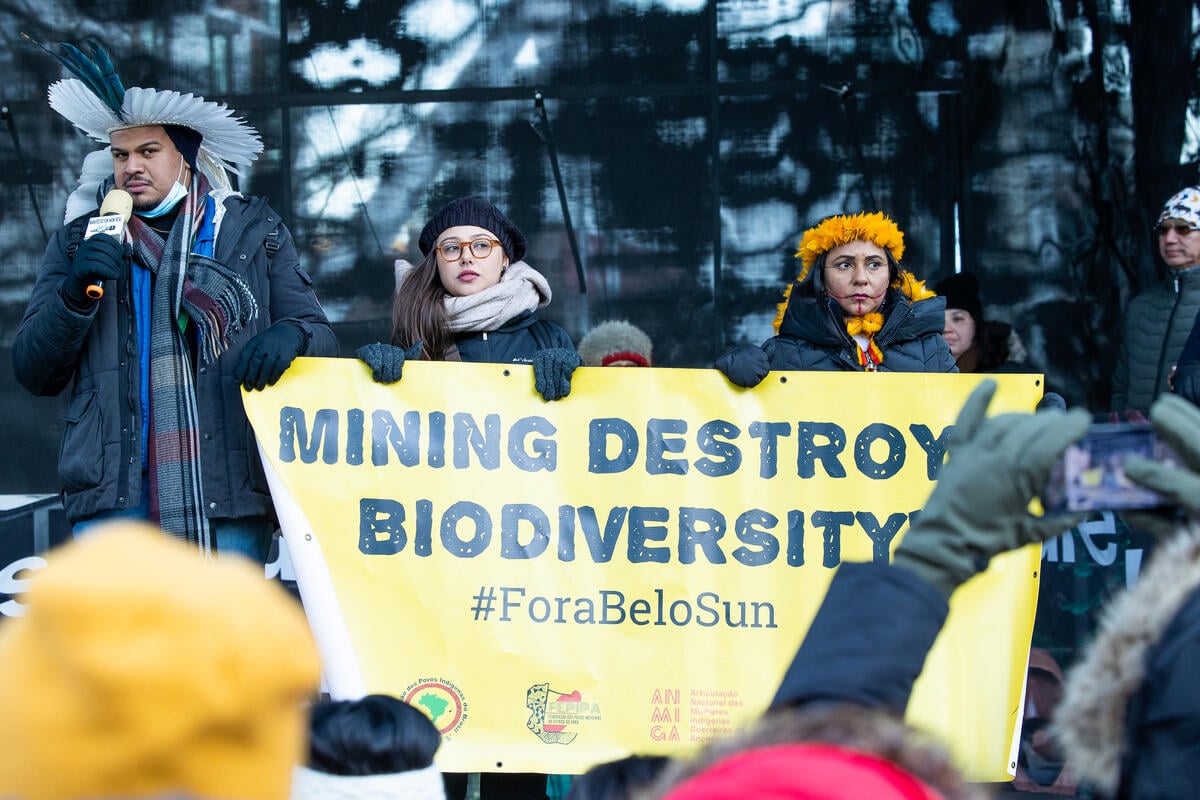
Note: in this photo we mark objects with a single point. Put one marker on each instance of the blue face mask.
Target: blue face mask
(176, 193)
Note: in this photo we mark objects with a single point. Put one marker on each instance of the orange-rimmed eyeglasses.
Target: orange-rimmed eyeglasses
(480, 248)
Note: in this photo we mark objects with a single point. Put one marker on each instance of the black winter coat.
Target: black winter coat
(854, 654)
(1187, 379)
(513, 342)
(1129, 722)
(96, 354)
(812, 336)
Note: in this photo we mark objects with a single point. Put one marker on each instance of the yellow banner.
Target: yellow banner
(628, 570)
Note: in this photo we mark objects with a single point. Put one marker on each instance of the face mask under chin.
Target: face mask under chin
(176, 193)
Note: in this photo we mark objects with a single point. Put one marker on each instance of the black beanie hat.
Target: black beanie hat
(186, 141)
(479, 212)
(962, 291)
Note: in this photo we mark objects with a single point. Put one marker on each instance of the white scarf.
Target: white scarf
(417, 784)
(521, 288)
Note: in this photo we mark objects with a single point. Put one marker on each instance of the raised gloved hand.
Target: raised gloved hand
(100, 258)
(978, 508)
(745, 365)
(552, 371)
(266, 356)
(386, 361)
(1177, 422)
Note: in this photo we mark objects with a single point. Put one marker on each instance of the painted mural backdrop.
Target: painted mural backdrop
(1028, 140)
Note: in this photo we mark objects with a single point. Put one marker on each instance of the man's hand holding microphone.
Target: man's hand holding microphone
(101, 254)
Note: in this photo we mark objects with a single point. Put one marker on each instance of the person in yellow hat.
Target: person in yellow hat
(851, 308)
(139, 670)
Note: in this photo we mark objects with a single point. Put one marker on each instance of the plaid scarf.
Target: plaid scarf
(219, 304)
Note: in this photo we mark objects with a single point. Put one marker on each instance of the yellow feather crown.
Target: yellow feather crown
(843, 229)
(832, 232)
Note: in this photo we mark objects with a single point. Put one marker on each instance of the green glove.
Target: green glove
(979, 507)
(1177, 422)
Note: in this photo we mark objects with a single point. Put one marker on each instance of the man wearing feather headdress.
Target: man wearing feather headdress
(155, 333)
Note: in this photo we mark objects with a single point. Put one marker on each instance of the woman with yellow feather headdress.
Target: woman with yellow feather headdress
(850, 308)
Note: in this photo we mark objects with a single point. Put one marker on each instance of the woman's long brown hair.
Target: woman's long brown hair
(419, 311)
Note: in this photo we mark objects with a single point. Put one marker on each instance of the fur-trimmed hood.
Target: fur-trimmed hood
(1092, 723)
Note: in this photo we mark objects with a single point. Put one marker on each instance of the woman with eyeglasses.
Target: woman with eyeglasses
(851, 308)
(472, 298)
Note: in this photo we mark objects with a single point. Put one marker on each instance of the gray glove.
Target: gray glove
(745, 365)
(978, 507)
(386, 361)
(552, 371)
(1177, 422)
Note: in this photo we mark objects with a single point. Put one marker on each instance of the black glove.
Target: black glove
(552, 370)
(978, 507)
(100, 258)
(267, 355)
(386, 361)
(1052, 401)
(745, 366)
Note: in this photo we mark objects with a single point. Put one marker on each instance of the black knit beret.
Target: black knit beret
(480, 213)
(962, 291)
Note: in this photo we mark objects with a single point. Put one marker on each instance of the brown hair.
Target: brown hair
(843, 725)
(419, 311)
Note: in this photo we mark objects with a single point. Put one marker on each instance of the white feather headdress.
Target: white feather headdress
(98, 103)
(226, 141)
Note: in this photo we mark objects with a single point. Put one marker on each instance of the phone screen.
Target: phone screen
(1091, 474)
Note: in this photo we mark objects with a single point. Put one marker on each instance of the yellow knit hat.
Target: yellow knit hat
(141, 670)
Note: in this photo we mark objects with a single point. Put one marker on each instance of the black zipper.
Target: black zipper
(1177, 282)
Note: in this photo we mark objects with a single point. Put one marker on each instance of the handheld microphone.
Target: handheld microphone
(115, 212)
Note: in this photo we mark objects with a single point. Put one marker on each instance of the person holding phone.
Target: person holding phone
(1129, 720)
(851, 308)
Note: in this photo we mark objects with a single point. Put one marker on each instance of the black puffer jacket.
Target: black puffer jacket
(96, 354)
(999, 349)
(812, 336)
(513, 342)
